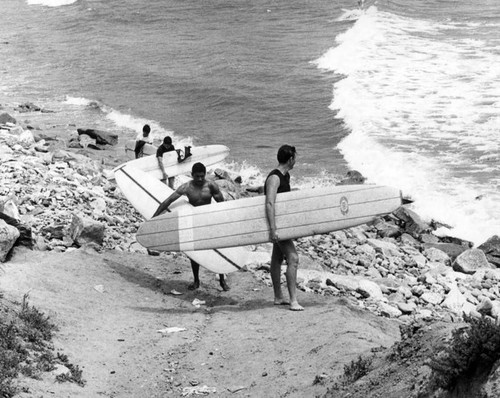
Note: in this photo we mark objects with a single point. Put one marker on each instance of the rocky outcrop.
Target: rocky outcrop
(492, 250)
(101, 137)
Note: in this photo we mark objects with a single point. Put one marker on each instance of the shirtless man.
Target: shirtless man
(199, 192)
(278, 181)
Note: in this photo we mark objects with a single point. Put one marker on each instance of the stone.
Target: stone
(453, 250)
(437, 255)
(101, 137)
(8, 237)
(388, 310)
(369, 289)
(84, 230)
(406, 308)
(432, 298)
(387, 248)
(6, 118)
(491, 249)
(414, 225)
(454, 300)
(470, 261)
(485, 307)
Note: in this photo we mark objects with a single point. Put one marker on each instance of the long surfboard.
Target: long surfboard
(147, 149)
(243, 222)
(146, 193)
(207, 154)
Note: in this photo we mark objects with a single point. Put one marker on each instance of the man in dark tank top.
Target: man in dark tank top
(278, 181)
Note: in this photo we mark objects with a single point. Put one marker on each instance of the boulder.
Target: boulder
(413, 224)
(453, 250)
(492, 250)
(84, 230)
(352, 177)
(101, 137)
(8, 236)
(470, 261)
(6, 118)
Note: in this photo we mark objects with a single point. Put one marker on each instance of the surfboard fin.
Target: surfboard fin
(187, 153)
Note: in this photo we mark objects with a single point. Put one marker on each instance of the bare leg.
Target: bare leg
(171, 181)
(288, 249)
(196, 271)
(223, 283)
(276, 261)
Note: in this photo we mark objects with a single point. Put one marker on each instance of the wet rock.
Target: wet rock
(413, 223)
(491, 249)
(101, 137)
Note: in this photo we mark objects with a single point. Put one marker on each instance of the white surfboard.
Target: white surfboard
(207, 154)
(147, 149)
(146, 193)
(243, 222)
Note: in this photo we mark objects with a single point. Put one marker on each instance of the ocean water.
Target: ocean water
(404, 92)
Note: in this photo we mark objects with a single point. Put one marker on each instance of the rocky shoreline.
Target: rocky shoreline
(54, 198)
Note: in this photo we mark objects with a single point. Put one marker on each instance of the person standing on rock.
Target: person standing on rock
(199, 192)
(141, 141)
(278, 181)
(166, 146)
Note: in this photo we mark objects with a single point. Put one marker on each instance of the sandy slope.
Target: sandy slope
(110, 306)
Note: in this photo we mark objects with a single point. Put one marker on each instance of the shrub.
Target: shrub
(471, 353)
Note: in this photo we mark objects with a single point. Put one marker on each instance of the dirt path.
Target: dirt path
(109, 308)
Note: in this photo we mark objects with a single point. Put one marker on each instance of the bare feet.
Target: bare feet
(224, 286)
(296, 307)
(280, 301)
(194, 286)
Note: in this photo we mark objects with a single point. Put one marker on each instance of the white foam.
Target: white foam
(423, 106)
(51, 3)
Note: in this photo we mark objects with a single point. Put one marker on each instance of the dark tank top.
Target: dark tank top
(284, 181)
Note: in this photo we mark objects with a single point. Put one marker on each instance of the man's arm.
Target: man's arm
(216, 192)
(172, 198)
(272, 185)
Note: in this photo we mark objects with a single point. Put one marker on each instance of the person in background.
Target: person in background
(166, 146)
(199, 192)
(141, 141)
(278, 181)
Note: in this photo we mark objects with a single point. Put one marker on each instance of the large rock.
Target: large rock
(414, 225)
(492, 250)
(453, 250)
(470, 261)
(101, 137)
(6, 118)
(8, 236)
(84, 230)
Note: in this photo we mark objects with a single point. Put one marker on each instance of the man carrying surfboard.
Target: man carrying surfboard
(166, 146)
(199, 192)
(278, 181)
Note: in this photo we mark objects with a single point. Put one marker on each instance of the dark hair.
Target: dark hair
(146, 129)
(199, 168)
(167, 140)
(285, 153)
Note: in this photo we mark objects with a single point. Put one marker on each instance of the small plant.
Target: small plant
(471, 353)
(25, 347)
(357, 369)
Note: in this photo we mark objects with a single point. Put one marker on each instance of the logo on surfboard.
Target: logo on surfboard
(344, 205)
